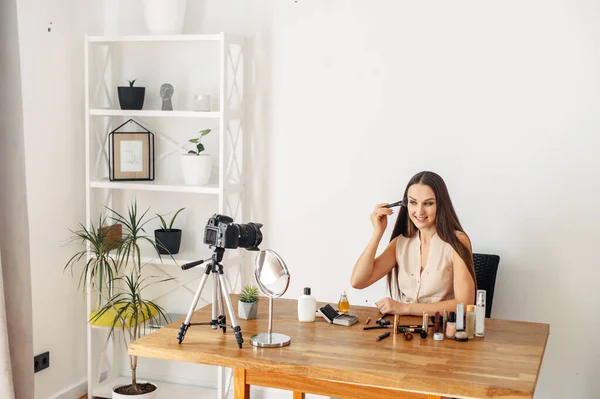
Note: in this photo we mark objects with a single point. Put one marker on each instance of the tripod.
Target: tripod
(219, 293)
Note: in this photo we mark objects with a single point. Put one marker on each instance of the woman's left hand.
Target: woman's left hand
(388, 305)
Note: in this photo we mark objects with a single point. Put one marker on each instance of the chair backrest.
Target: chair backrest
(486, 268)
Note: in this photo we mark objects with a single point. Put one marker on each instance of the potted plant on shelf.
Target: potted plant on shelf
(248, 303)
(131, 97)
(114, 272)
(167, 238)
(195, 165)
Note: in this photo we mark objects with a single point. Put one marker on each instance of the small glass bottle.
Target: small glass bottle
(470, 321)
(451, 326)
(480, 314)
(343, 304)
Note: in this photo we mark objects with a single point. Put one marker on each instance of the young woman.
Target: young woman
(429, 255)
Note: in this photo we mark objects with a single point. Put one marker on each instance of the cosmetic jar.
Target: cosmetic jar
(438, 336)
(461, 336)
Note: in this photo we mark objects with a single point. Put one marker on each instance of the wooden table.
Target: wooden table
(347, 362)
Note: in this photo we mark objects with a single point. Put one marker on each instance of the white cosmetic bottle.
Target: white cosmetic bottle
(307, 306)
(480, 314)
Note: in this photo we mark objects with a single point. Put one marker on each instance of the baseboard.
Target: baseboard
(73, 392)
(157, 377)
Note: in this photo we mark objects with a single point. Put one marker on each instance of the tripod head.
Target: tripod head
(217, 257)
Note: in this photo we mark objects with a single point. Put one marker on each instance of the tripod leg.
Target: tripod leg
(186, 324)
(214, 322)
(236, 328)
(222, 320)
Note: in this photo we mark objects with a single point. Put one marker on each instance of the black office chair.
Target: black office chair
(486, 268)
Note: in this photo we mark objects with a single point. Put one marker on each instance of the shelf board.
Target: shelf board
(154, 38)
(154, 113)
(165, 389)
(155, 186)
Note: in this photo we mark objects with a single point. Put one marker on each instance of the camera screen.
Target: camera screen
(211, 235)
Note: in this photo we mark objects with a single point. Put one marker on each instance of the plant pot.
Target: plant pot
(168, 241)
(131, 97)
(247, 311)
(196, 169)
(149, 395)
(164, 17)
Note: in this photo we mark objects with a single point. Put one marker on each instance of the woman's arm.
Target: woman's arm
(368, 269)
(464, 291)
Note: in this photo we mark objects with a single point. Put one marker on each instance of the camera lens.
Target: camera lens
(250, 236)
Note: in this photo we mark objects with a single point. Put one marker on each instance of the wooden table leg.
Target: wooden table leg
(298, 395)
(241, 390)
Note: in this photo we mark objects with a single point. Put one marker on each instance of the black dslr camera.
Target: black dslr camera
(221, 232)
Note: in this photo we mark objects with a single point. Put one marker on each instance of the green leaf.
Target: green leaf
(200, 147)
(204, 132)
(162, 222)
(173, 218)
(131, 82)
(194, 141)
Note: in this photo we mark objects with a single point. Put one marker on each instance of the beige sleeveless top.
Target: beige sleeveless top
(435, 283)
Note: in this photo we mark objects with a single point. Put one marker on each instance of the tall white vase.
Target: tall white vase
(196, 169)
(164, 17)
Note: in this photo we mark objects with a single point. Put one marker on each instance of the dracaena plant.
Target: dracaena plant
(198, 142)
(101, 266)
(132, 312)
(134, 234)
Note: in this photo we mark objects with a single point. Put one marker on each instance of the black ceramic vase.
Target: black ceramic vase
(168, 241)
(131, 97)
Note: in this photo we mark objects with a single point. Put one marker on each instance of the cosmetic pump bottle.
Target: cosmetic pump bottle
(480, 314)
(470, 321)
(451, 326)
(307, 306)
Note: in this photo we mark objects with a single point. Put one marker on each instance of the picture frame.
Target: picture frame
(131, 154)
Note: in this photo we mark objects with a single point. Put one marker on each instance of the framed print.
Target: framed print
(131, 154)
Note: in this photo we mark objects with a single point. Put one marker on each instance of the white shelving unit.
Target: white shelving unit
(102, 115)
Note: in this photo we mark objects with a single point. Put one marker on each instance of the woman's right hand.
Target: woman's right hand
(379, 218)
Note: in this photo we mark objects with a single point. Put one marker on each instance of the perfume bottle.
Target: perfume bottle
(343, 304)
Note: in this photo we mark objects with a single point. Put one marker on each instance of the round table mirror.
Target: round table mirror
(272, 277)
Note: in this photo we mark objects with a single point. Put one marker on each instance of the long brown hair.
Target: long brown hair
(446, 222)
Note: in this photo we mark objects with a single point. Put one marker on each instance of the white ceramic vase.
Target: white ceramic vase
(164, 17)
(150, 395)
(196, 169)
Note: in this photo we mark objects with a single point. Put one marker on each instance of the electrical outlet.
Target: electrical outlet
(41, 362)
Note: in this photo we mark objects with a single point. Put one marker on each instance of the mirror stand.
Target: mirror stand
(273, 278)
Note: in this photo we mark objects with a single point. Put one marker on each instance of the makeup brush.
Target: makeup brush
(403, 203)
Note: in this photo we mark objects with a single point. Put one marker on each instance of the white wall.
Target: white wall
(499, 98)
(52, 81)
(351, 99)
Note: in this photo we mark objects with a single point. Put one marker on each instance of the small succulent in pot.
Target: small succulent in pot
(248, 303)
(131, 97)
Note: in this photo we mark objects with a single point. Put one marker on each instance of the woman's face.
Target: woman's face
(422, 206)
